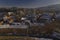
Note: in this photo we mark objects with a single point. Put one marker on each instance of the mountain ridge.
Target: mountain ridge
(55, 7)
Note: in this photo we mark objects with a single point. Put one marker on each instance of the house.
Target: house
(44, 18)
(31, 17)
(58, 16)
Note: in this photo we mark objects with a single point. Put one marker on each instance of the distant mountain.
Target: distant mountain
(50, 7)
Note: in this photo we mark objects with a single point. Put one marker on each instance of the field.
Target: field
(16, 38)
(21, 38)
(13, 38)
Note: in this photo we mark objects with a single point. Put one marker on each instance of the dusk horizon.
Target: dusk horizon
(27, 3)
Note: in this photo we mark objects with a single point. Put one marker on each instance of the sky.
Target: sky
(27, 3)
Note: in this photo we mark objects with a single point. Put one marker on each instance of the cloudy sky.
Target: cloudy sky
(27, 3)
